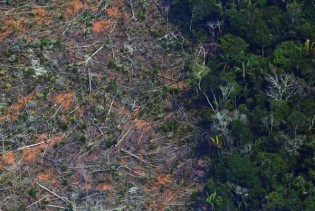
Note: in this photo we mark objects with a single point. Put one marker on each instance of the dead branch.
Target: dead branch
(137, 157)
(53, 116)
(110, 107)
(55, 206)
(36, 202)
(123, 137)
(55, 194)
(132, 10)
(90, 80)
(199, 87)
(168, 200)
(90, 57)
(34, 145)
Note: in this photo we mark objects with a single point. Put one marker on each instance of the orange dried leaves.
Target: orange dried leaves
(64, 99)
(100, 26)
(9, 158)
(74, 7)
(41, 15)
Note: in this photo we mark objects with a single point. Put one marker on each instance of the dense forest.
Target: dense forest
(256, 76)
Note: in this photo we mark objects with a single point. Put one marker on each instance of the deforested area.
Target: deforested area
(90, 111)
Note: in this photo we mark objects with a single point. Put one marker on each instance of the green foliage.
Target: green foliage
(288, 55)
(110, 142)
(221, 195)
(306, 29)
(203, 8)
(33, 193)
(309, 203)
(294, 13)
(44, 42)
(169, 126)
(275, 201)
(63, 126)
(241, 133)
(243, 108)
(82, 139)
(280, 109)
(241, 171)
(308, 107)
(296, 120)
(30, 72)
(252, 27)
(252, 167)
(273, 166)
(194, 15)
(214, 200)
(274, 17)
(233, 47)
(260, 33)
